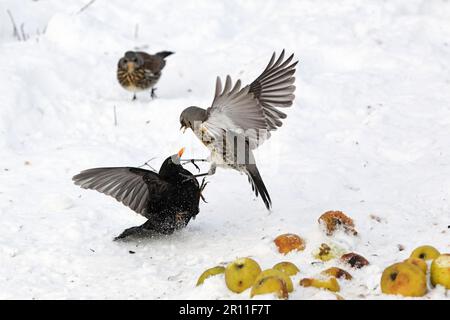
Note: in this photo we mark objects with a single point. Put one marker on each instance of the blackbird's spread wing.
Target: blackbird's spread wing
(134, 187)
(252, 110)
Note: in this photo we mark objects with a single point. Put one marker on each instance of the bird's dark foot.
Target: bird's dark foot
(187, 177)
(194, 176)
(139, 232)
(192, 161)
(202, 187)
(153, 94)
(134, 97)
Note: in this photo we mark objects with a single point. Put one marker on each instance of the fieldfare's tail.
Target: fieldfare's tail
(164, 54)
(258, 185)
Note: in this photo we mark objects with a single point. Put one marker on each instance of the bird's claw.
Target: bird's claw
(195, 165)
(153, 94)
(187, 177)
(202, 187)
(192, 161)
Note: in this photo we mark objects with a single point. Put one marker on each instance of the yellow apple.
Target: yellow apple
(418, 263)
(209, 273)
(337, 273)
(330, 284)
(404, 279)
(287, 267)
(279, 274)
(270, 284)
(288, 242)
(241, 274)
(440, 271)
(328, 252)
(425, 253)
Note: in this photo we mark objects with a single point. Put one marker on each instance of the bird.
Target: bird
(241, 119)
(167, 199)
(139, 71)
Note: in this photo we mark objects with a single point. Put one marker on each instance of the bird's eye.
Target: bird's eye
(135, 60)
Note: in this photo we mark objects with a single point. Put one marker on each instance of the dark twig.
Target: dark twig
(15, 30)
(148, 165)
(115, 116)
(87, 5)
(22, 31)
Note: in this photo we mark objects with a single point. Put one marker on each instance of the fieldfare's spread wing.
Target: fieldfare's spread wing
(134, 187)
(274, 89)
(252, 110)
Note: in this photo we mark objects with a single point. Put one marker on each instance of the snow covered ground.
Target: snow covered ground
(369, 134)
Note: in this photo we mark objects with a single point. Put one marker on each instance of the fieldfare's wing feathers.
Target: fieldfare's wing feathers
(252, 109)
(274, 89)
(134, 187)
(152, 62)
(234, 109)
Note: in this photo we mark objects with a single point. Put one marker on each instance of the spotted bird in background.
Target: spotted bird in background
(138, 71)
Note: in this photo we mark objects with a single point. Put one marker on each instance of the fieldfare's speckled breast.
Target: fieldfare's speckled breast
(138, 71)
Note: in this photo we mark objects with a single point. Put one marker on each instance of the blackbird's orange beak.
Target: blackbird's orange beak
(180, 153)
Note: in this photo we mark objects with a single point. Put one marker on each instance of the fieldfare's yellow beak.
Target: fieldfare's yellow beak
(183, 127)
(180, 153)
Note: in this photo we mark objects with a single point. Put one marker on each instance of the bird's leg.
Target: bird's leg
(194, 160)
(186, 161)
(134, 97)
(153, 94)
(202, 187)
(211, 171)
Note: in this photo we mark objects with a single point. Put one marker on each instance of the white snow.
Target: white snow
(369, 135)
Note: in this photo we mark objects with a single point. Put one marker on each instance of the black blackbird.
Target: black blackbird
(138, 71)
(167, 199)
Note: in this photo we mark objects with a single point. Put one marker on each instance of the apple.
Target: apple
(333, 220)
(418, 263)
(337, 273)
(288, 242)
(330, 284)
(241, 274)
(354, 260)
(425, 253)
(277, 273)
(270, 284)
(209, 273)
(328, 252)
(404, 279)
(287, 267)
(440, 271)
